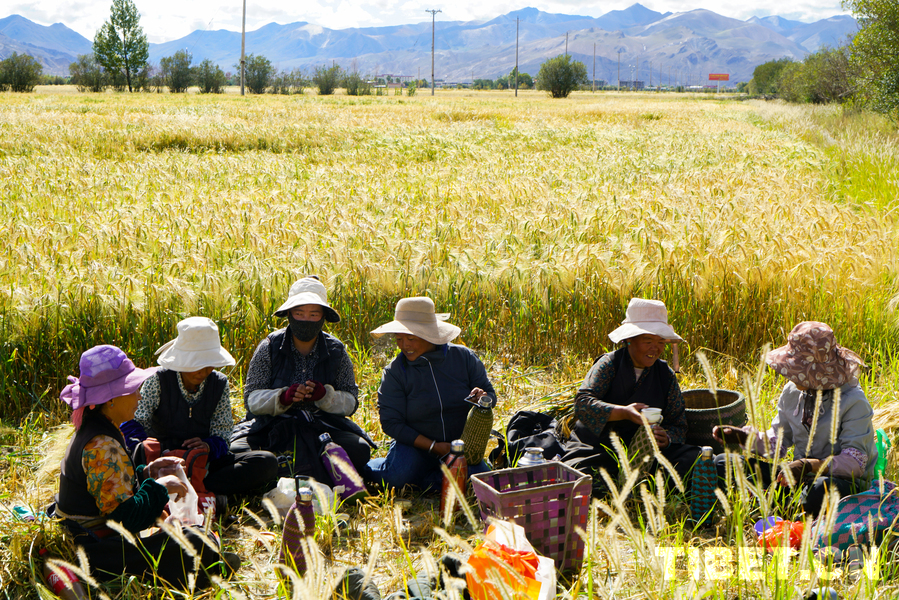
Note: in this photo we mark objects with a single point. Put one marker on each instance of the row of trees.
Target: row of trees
(865, 72)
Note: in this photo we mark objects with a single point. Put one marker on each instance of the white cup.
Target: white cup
(653, 415)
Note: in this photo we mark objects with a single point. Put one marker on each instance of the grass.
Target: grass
(531, 221)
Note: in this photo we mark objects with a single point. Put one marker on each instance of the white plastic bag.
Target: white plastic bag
(284, 494)
(512, 537)
(185, 510)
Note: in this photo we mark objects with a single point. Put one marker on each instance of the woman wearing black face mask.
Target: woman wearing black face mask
(299, 385)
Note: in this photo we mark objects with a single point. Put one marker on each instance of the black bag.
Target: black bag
(528, 429)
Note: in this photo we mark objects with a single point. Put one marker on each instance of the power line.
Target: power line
(433, 25)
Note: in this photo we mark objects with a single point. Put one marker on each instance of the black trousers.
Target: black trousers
(250, 472)
(812, 491)
(113, 556)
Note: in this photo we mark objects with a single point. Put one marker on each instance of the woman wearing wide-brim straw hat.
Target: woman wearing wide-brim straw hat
(186, 405)
(422, 396)
(822, 385)
(623, 383)
(300, 384)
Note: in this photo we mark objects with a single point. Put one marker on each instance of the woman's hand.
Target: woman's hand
(441, 449)
(476, 394)
(164, 465)
(173, 484)
(661, 436)
(729, 435)
(631, 412)
(195, 444)
(798, 469)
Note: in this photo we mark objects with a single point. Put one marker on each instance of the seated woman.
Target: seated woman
(98, 483)
(620, 385)
(187, 405)
(822, 376)
(300, 384)
(421, 400)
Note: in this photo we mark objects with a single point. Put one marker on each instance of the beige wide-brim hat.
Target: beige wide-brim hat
(416, 316)
(197, 346)
(813, 359)
(645, 317)
(308, 290)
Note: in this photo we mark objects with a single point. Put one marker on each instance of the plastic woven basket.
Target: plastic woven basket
(548, 500)
(705, 410)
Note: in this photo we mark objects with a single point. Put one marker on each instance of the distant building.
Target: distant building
(632, 85)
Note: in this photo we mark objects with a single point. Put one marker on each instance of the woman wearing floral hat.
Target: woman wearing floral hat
(620, 385)
(421, 400)
(822, 402)
(98, 483)
(300, 384)
(186, 405)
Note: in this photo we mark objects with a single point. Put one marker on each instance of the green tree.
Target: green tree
(20, 73)
(210, 77)
(823, 77)
(258, 73)
(766, 76)
(560, 76)
(120, 45)
(875, 50)
(356, 85)
(411, 88)
(327, 79)
(176, 71)
(292, 82)
(87, 74)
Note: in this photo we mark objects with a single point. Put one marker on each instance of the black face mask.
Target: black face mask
(305, 331)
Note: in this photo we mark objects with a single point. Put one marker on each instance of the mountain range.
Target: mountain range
(632, 44)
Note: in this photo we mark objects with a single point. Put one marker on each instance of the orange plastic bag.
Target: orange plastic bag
(494, 562)
(781, 534)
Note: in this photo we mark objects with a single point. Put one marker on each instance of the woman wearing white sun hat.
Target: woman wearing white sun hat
(300, 384)
(421, 400)
(187, 405)
(624, 382)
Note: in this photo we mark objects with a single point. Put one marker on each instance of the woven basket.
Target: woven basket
(549, 500)
(705, 410)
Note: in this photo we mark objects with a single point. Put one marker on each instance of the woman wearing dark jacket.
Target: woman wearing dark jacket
(421, 400)
(300, 384)
(620, 385)
(98, 483)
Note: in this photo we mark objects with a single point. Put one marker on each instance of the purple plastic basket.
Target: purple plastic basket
(548, 500)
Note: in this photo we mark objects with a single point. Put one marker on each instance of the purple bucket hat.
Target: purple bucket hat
(106, 373)
(813, 359)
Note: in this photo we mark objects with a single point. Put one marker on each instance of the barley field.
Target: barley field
(531, 221)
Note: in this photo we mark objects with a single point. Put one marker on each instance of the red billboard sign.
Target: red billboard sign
(719, 77)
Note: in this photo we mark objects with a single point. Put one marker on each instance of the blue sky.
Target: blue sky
(165, 20)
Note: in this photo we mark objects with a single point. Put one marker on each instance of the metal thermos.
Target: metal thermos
(532, 456)
(299, 524)
(476, 433)
(458, 472)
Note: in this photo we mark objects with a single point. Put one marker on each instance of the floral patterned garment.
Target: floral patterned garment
(110, 474)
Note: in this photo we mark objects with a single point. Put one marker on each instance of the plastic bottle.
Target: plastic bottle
(883, 447)
(703, 484)
(476, 433)
(458, 472)
(68, 586)
(341, 470)
(299, 524)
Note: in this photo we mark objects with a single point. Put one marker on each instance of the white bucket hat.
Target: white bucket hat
(197, 346)
(645, 316)
(308, 290)
(416, 316)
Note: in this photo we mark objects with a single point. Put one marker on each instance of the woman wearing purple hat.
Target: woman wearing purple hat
(98, 484)
(822, 413)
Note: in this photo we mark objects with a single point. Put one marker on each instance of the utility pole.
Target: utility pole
(243, 40)
(594, 67)
(619, 70)
(650, 74)
(433, 17)
(566, 43)
(516, 57)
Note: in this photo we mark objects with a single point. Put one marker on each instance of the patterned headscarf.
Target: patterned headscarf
(812, 358)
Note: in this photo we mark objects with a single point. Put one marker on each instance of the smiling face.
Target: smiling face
(645, 349)
(412, 346)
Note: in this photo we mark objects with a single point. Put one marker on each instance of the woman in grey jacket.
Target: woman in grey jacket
(823, 401)
(422, 397)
